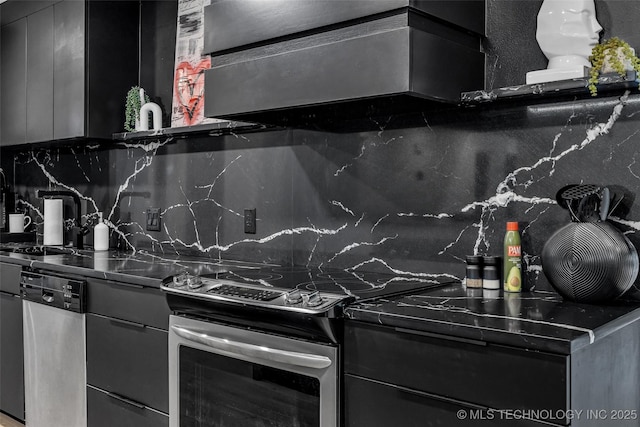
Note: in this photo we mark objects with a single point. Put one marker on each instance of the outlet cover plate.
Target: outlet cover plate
(153, 219)
(250, 221)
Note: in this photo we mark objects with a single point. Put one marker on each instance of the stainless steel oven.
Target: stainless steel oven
(254, 347)
(236, 377)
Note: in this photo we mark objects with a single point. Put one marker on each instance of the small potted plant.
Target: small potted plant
(613, 55)
(132, 108)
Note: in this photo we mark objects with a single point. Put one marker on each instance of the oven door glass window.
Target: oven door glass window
(222, 391)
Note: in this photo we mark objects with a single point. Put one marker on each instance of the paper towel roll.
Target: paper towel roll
(53, 222)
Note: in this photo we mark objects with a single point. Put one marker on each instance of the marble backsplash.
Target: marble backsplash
(413, 194)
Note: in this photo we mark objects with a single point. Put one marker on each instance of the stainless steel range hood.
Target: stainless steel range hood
(302, 62)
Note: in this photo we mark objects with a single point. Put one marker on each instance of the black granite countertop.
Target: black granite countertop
(532, 320)
(142, 268)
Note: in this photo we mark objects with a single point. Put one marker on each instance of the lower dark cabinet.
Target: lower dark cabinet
(127, 355)
(11, 356)
(128, 359)
(490, 376)
(105, 410)
(395, 376)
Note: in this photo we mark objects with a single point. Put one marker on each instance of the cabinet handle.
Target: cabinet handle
(9, 294)
(424, 394)
(127, 323)
(254, 353)
(439, 398)
(442, 337)
(126, 400)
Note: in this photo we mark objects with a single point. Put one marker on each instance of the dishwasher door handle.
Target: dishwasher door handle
(253, 351)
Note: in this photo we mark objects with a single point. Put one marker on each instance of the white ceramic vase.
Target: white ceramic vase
(146, 109)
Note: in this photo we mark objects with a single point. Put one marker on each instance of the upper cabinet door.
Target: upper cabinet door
(69, 69)
(40, 75)
(66, 68)
(13, 48)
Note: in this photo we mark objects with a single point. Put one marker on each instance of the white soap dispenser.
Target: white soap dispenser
(100, 235)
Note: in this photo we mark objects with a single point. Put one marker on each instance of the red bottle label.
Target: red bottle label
(513, 250)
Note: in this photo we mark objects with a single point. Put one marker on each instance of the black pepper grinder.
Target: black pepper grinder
(474, 271)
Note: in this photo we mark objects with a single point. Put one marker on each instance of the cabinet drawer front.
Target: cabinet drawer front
(372, 404)
(129, 360)
(488, 375)
(147, 306)
(107, 411)
(10, 278)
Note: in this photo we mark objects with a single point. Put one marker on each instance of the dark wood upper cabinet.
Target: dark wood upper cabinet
(66, 68)
(13, 44)
(69, 72)
(39, 91)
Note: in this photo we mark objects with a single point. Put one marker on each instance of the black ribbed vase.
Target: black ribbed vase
(590, 262)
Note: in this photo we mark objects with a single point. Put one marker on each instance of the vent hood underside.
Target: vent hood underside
(396, 62)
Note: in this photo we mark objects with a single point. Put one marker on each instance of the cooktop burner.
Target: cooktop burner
(293, 289)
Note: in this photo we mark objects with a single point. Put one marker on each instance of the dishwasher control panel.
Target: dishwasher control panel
(59, 292)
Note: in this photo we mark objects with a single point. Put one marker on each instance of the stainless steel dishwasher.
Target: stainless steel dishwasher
(54, 350)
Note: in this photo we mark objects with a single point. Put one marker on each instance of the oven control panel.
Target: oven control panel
(216, 289)
(243, 292)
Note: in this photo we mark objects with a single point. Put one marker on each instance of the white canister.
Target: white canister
(100, 235)
(53, 222)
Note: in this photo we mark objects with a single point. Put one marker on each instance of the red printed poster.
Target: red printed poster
(188, 81)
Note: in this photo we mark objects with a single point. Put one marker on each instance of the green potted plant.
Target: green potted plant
(132, 107)
(613, 55)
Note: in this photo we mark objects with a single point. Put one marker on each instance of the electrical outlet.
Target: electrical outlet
(250, 221)
(153, 219)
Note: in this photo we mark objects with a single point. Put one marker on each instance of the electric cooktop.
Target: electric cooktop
(296, 289)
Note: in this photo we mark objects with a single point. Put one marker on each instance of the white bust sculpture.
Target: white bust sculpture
(567, 32)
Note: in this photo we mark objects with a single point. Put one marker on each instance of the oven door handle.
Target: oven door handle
(254, 351)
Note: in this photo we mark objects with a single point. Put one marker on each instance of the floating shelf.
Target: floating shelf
(542, 91)
(210, 129)
(608, 85)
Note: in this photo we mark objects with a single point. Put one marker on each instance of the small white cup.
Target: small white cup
(18, 222)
